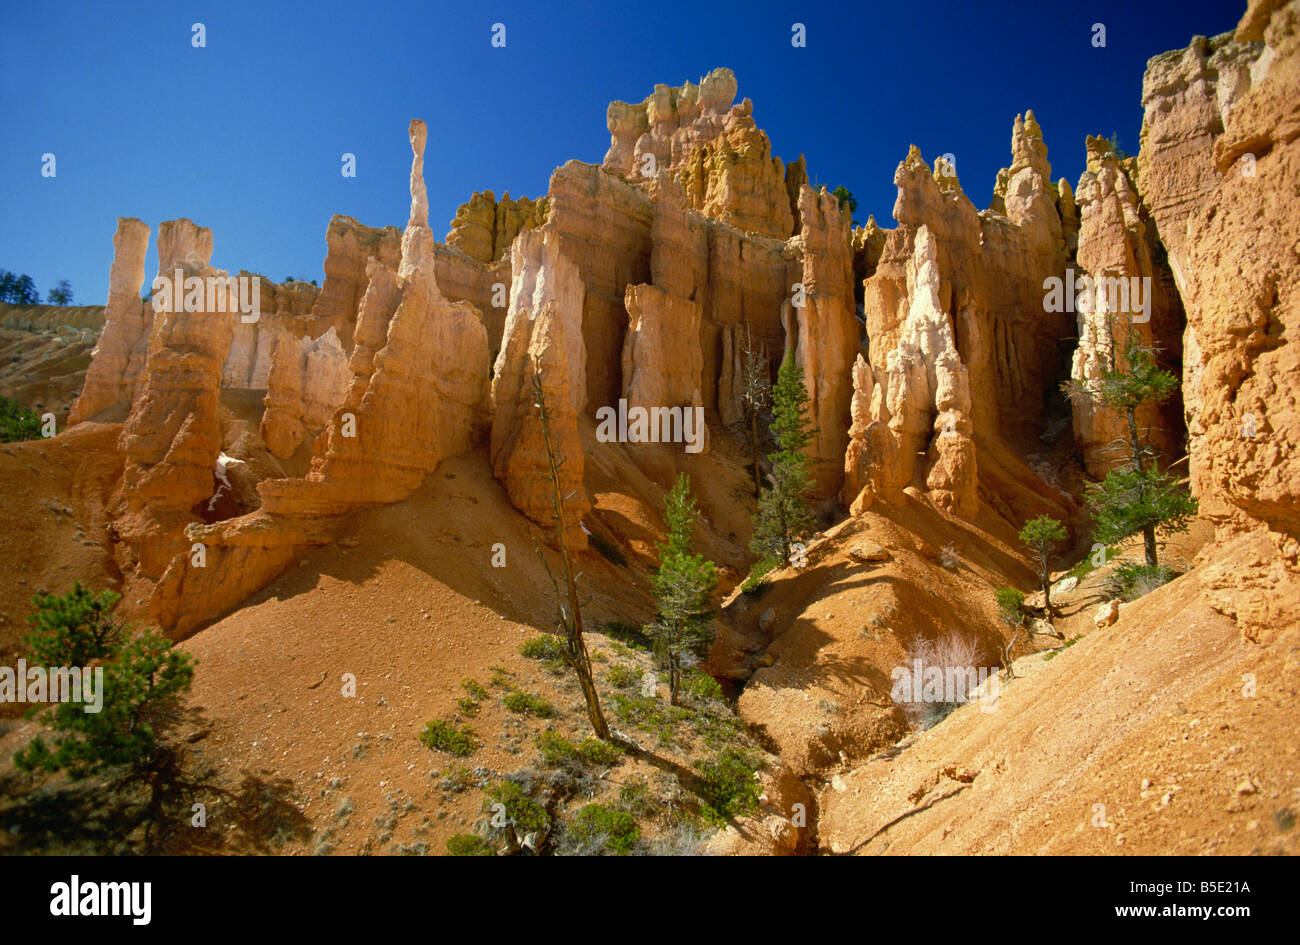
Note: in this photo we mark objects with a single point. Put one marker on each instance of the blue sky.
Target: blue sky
(246, 135)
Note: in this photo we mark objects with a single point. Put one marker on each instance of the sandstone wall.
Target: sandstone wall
(118, 359)
(484, 227)
(1241, 275)
(543, 329)
(1115, 240)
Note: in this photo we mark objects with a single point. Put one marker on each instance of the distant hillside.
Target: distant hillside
(44, 317)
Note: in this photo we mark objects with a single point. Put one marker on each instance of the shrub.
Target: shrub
(546, 647)
(1130, 580)
(599, 754)
(728, 785)
(635, 797)
(623, 677)
(702, 686)
(467, 707)
(649, 714)
(757, 578)
(1011, 605)
(948, 558)
(597, 828)
(957, 658)
(557, 751)
(468, 844)
(457, 778)
(444, 736)
(522, 813)
(17, 422)
(608, 550)
(682, 838)
(140, 687)
(475, 689)
(526, 703)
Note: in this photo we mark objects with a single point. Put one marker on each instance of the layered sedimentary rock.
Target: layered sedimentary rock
(750, 279)
(602, 224)
(872, 467)
(349, 248)
(306, 381)
(1069, 211)
(172, 437)
(663, 364)
(484, 227)
(661, 354)
(714, 149)
(1131, 299)
(417, 393)
(912, 414)
(1187, 96)
(119, 356)
(822, 333)
(484, 285)
(543, 330)
(992, 272)
(867, 242)
(283, 308)
(668, 123)
(963, 347)
(1241, 289)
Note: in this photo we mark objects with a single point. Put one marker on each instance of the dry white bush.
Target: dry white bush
(959, 659)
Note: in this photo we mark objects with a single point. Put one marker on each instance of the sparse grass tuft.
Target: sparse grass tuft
(599, 754)
(545, 647)
(527, 703)
(1064, 646)
(599, 829)
(728, 785)
(623, 677)
(635, 797)
(1131, 580)
(702, 686)
(457, 778)
(444, 736)
(521, 812)
(468, 844)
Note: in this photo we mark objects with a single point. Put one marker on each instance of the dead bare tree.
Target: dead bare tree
(755, 395)
(575, 650)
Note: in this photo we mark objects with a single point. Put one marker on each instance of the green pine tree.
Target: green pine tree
(784, 510)
(682, 587)
(1141, 498)
(1042, 535)
(143, 678)
(73, 629)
